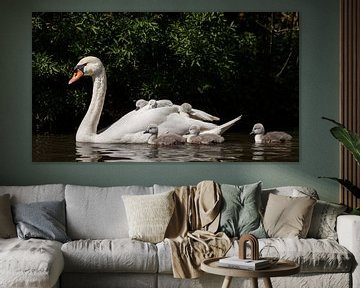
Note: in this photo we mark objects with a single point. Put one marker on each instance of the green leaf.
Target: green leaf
(355, 211)
(348, 138)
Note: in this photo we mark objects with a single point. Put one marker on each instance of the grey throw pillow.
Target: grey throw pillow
(44, 220)
(323, 223)
(240, 213)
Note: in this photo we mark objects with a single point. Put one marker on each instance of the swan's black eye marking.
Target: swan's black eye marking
(80, 67)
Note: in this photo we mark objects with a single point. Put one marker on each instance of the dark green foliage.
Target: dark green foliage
(351, 142)
(348, 138)
(224, 63)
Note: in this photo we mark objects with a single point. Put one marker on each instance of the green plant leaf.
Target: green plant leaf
(348, 138)
(355, 211)
(347, 184)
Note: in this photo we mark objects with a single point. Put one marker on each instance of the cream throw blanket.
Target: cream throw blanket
(191, 231)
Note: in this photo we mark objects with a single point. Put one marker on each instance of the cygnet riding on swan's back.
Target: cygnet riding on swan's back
(269, 137)
(165, 139)
(130, 127)
(159, 103)
(151, 104)
(206, 138)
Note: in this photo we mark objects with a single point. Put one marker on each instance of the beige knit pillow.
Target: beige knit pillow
(149, 215)
(7, 226)
(288, 217)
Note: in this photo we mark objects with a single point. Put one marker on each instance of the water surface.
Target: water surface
(236, 148)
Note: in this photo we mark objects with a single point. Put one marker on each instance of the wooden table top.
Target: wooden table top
(281, 268)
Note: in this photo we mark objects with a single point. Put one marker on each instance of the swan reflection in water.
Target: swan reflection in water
(236, 148)
(94, 152)
(232, 150)
(269, 151)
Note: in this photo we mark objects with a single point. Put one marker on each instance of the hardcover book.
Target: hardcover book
(249, 264)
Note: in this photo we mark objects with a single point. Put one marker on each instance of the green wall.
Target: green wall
(319, 74)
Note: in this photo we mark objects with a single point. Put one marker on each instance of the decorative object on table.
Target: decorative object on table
(269, 253)
(241, 261)
(254, 246)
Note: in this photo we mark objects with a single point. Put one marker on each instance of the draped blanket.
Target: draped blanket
(191, 232)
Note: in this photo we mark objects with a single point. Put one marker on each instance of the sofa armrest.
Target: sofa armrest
(348, 230)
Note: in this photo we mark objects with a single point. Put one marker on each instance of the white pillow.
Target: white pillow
(149, 215)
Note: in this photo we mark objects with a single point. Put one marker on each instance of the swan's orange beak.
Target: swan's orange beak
(77, 75)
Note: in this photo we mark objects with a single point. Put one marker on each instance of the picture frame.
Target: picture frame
(240, 67)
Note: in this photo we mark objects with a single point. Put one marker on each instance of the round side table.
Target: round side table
(281, 268)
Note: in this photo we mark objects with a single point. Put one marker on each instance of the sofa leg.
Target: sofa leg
(267, 282)
(227, 282)
(254, 282)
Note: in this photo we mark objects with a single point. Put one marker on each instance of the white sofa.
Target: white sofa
(102, 255)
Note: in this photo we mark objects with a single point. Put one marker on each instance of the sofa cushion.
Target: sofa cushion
(44, 220)
(116, 255)
(163, 188)
(7, 226)
(287, 216)
(98, 213)
(240, 210)
(30, 263)
(291, 191)
(323, 222)
(149, 215)
(313, 255)
(34, 193)
(109, 280)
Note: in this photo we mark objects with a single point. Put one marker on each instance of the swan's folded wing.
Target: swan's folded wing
(201, 115)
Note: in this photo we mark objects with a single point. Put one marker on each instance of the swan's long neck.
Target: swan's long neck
(88, 127)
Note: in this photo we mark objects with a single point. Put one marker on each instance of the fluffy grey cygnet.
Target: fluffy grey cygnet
(270, 137)
(164, 139)
(206, 138)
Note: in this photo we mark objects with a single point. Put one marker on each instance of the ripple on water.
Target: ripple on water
(236, 148)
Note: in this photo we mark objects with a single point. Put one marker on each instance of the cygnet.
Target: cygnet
(164, 139)
(270, 137)
(206, 138)
(153, 103)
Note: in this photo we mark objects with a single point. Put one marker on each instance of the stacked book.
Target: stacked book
(248, 264)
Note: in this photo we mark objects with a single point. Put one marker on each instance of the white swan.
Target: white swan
(270, 137)
(165, 139)
(130, 127)
(205, 138)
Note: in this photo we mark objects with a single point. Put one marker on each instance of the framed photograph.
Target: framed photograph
(165, 87)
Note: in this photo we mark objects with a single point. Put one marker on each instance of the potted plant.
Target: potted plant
(351, 142)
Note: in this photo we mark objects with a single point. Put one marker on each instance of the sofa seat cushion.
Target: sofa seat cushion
(110, 255)
(98, 212)
(313, 255)
(30, 263)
